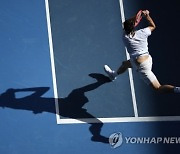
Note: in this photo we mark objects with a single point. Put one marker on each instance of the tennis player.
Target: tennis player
(136, 42)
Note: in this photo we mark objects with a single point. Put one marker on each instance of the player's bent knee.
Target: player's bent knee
(156, 85)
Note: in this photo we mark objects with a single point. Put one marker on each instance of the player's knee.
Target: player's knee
(156, 85)
(157, 88)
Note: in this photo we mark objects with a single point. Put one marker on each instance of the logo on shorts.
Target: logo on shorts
(115, 139)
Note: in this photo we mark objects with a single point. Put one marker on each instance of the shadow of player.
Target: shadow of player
(70, 106)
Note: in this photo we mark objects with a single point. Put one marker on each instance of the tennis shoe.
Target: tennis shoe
(111, 74)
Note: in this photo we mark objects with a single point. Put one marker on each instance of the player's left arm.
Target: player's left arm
(152, 25)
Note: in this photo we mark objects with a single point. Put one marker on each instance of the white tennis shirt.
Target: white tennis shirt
(138, 44)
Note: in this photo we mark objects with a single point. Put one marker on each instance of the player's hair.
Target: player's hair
(129, 26)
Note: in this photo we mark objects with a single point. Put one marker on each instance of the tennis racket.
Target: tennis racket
(138, 18)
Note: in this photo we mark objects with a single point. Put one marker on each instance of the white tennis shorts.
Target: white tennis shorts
(145, 70)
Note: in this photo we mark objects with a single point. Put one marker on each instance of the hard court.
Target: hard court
(54, 94)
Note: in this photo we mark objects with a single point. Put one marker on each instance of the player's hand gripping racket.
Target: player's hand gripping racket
(138, 18)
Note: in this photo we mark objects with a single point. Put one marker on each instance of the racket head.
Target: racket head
(138, 18)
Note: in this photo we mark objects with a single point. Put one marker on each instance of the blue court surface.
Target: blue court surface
(55, 97)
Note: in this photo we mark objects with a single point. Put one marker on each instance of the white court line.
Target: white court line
(94, 120)
(129, 70)
(122, 119)
(52, 60)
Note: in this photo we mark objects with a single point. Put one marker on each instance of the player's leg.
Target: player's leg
(145, 71)
(125, 65)
(149, 77)
(113, 74)
(162, 88)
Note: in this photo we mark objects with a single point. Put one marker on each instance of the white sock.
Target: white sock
(176, 89)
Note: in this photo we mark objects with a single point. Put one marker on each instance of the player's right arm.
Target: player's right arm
(152, 25)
